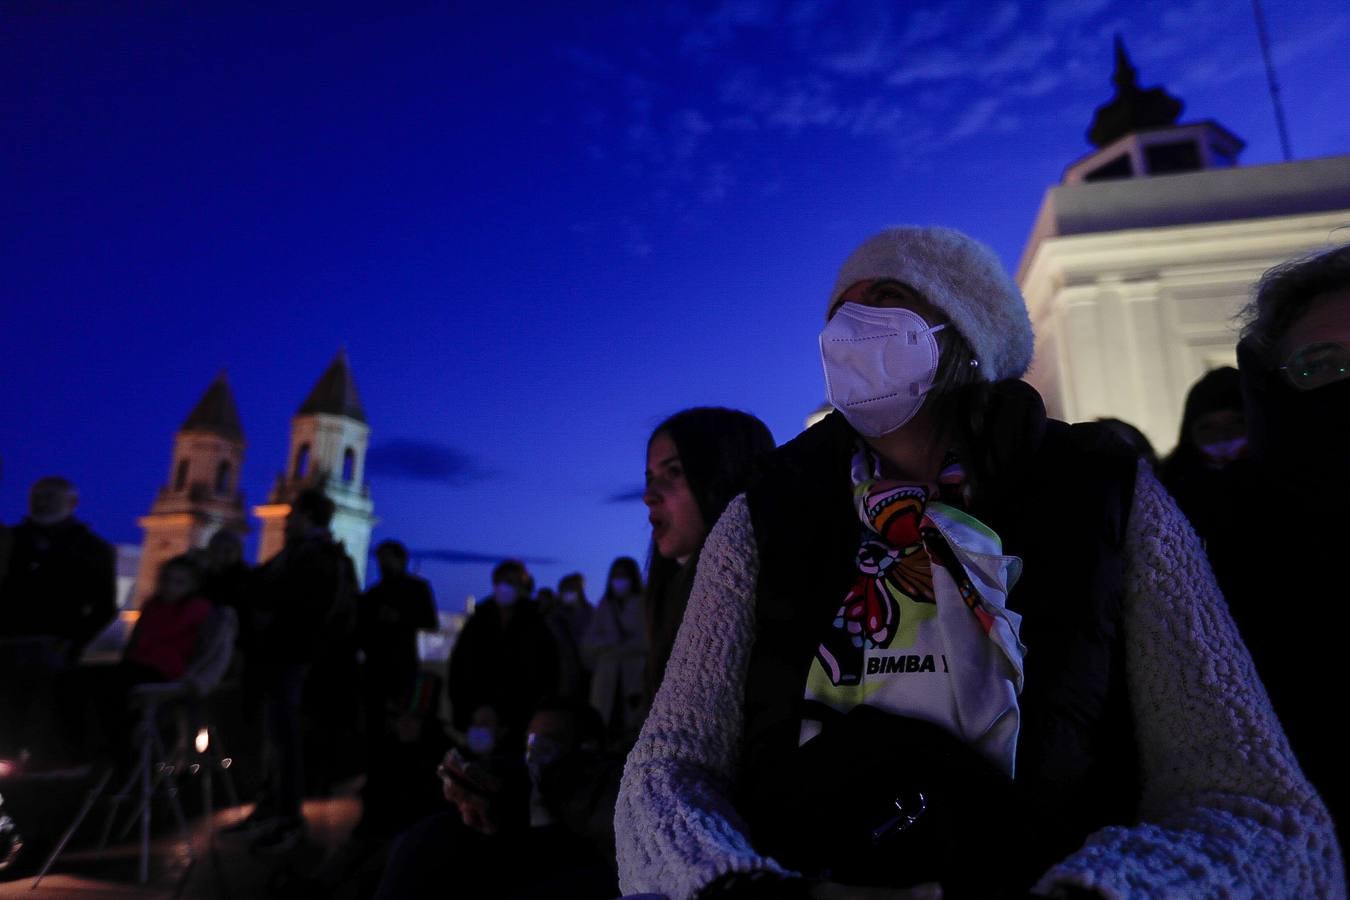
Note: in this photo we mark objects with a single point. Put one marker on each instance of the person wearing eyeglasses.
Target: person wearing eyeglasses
(944, 645)
(1280, 560)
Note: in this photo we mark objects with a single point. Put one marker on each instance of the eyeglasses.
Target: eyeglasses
(1317, 365)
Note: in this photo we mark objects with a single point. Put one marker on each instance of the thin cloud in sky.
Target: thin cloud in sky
(709, 84)
(974, 119)
(630, 496)
(417, 459)
(454, 555)
(1061, 13)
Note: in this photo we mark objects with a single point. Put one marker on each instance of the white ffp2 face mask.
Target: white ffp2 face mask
(879, 365)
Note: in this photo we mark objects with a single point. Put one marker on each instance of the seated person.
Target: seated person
(531, 827)
(165, 637)
(180, 637)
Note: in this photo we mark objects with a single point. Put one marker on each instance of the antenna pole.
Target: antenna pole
(1264, 38)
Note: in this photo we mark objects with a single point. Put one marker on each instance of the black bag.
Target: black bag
(889, 801)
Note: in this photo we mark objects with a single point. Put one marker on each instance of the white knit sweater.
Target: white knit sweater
(1225, 810)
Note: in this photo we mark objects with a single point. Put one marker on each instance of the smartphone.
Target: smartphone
(463, 781)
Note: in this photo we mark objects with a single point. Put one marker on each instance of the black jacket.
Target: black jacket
(1278, 560)
(61, 581)
(389, 615)
(303, 602)
(508, 666)
(1060, 501)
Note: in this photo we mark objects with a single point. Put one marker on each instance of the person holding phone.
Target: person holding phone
(508, 834)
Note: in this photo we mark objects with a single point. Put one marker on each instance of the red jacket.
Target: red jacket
(166, 634)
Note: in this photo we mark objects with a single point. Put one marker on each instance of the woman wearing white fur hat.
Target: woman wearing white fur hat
(946, 645)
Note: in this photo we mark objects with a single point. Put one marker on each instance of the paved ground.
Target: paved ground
(210, 867)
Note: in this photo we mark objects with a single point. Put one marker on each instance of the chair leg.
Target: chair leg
(208, 807)
(154, 750)
(218, 756)
(116, 800)
(149, 746)
(94, 793)
(146, 788)
(168, 776)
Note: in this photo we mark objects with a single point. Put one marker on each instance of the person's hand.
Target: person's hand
(472, 790)
(828, 890)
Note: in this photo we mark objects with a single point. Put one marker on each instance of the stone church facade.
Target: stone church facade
(329, 440)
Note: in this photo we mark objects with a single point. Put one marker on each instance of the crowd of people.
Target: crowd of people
(939, 644)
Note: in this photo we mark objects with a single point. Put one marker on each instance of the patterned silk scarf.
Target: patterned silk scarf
(894, 561)
(924, 630)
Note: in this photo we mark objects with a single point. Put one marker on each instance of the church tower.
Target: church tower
(329, 437)
(1136, 134)
(202, 495)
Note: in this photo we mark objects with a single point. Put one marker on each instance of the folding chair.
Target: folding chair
(155, 769)
(152, 771)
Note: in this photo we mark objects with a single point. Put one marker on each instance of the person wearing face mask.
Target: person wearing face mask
(614, 648)
(567, 614)
(537, 828)
(503, 663)
(944, 644)
(1294, 367)
(1198, 473)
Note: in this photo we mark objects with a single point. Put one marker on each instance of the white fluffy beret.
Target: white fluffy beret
(960, 276)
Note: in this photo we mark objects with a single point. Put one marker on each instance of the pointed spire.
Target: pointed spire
(1132, 108)
(335, 394)
(1126, 76)
(216, 412)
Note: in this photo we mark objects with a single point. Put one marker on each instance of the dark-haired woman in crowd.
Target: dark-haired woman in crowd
(945, 642)
(615, 650)
(568, 617)
(697, 461)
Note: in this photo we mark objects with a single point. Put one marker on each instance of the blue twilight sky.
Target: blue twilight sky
(538, 228)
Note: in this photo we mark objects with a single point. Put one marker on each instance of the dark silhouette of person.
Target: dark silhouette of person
(541, 829)
(1277, 555)
(389, 615)
(503, 664)
(302, 607)
(1199, 472)
(227, 576)
(1135, 439)
(59, 591)
(568, 615)
(62, 578)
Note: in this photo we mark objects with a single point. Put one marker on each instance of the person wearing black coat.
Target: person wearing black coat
(58, 591)
(389, 615)
(300, 615)
(503, 664)
(1277, 556)
(61, 579)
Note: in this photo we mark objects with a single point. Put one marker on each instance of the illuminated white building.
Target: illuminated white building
(1141, 258)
